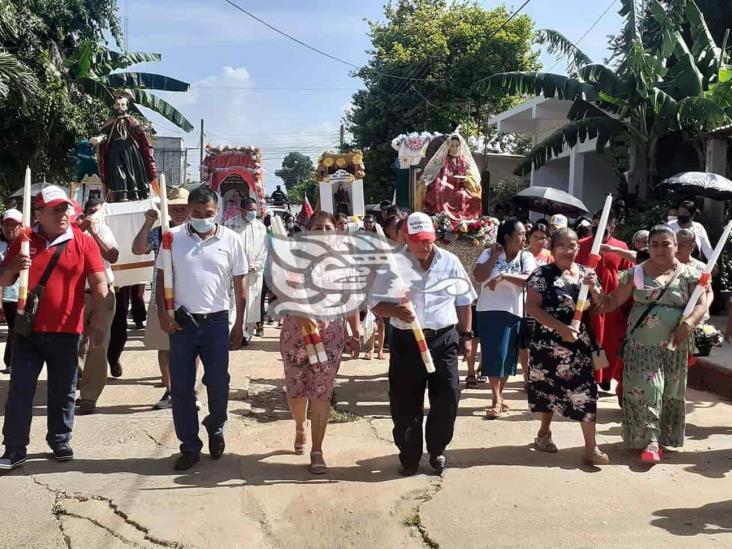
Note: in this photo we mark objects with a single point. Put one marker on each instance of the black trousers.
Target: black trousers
(408, 380)
(118, 335)
(137, 301)
(10, 308)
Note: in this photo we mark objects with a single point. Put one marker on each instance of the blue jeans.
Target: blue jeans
(59, 352)
(211, 342)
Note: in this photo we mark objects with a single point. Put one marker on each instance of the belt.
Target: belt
(218, 315)
(432, 334)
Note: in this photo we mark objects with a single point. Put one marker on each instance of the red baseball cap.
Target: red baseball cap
(13, 214)
(420, 227)
(51, 196)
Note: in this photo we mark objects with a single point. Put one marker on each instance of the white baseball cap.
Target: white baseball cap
(51, 196)
(420, 227)
(558, 221)
(13, 214)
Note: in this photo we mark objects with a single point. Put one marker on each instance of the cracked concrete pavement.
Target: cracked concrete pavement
(121, 491)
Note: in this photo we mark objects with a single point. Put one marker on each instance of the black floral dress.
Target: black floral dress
(561, 375)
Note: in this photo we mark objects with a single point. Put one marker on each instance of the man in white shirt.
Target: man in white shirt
(207, 259)
(93, 360)
(441, 292)
(687, 211)
(253, 235)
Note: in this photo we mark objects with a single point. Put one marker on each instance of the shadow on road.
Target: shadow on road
(712, 518)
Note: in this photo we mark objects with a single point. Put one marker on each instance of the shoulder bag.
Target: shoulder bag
(649, 308)
(24, 322)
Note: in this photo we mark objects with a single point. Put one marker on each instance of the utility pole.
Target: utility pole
(200, 154)
(343, 137)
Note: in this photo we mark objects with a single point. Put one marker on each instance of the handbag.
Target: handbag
(24, 322)
(648, 309)
(598, 354)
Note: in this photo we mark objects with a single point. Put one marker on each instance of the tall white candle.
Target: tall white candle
(25, 242)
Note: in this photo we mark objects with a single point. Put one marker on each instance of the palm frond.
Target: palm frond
(578, 131)
(563, 48)
(16, 77)
(147, 81)
(163, 108)
(108, 60)
(539, 84)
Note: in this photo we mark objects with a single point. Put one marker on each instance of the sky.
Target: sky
(253, 86)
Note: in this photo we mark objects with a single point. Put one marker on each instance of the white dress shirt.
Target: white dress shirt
(434, 293)
(253, 235)
(702, 238)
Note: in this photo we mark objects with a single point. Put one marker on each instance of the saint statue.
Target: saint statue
(452, 181)
(125, 155)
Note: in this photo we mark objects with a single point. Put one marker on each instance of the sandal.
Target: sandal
(317, 468)
(596, 457)
(482, 379)
(381, 356)
(300, 442)
(493, 413)
(471, 382)
(504, 407)
(368, 355)
(545, 443)
(652, 454)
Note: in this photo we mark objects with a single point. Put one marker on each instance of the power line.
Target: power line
(579, 41)
(258, 88)
(308, 46)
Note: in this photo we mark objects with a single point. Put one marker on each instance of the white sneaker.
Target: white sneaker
(165, 402)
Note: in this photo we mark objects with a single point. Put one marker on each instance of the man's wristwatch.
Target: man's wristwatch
(466, 334)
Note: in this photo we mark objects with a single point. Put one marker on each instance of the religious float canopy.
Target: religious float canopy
(235, 173)
(341, 183)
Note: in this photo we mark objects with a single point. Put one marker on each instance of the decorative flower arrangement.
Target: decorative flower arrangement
(706, 336)
(481, 232)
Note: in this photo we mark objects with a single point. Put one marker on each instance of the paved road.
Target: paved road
(121, 490)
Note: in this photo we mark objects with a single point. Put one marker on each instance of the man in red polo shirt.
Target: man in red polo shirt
(608, 329)
(57, 326)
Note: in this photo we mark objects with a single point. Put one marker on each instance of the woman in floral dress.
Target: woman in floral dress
(314, 383)
(654, 378)
(561, 375)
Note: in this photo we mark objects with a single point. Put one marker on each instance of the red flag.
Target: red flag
(305, 212)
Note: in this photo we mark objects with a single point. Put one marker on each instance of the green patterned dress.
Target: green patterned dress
(654, 378)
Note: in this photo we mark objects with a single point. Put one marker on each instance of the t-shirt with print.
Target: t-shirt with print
(507, 296)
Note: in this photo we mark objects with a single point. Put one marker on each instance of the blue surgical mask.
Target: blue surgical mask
(202, 225)
(251, 215)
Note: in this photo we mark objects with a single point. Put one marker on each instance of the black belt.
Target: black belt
(218, 315)
(432, 334)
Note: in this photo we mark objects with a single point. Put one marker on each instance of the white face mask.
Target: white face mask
(202, 225)
(671, 218)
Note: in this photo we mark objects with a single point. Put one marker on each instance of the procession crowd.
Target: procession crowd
(518, 308)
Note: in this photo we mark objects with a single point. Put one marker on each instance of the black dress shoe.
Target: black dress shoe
(116, 369)
(186, 461)
(408, 470)
(438, 463)
(216, 445)
(63, 452)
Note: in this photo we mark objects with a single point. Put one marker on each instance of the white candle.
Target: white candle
(705, 278)
(25, 242)
(596, 243)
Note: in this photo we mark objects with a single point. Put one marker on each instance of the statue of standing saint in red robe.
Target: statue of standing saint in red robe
(125, 155)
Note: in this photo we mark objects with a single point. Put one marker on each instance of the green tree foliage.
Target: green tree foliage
(664, 84)
(40, 129)
(440, 49)
(296, 168)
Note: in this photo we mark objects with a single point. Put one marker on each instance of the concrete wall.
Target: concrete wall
(597, 180)
(501, 167)
(553, 174)
(170, 159)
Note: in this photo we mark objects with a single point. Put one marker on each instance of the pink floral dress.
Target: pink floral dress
(305, 380)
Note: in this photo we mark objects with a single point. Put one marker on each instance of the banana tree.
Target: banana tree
(14, 74)
(659, 88)
(93, 68)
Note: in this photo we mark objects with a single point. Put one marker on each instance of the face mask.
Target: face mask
(671, 218)
(93, 216)
(289, 224)
(202, 225)
(251, 216)
(684, 219)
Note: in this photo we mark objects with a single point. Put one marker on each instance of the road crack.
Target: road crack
(414, 521)
(58, 511)
(149, 435)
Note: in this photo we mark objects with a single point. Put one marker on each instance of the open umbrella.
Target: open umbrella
(708, 185)
(548, 200)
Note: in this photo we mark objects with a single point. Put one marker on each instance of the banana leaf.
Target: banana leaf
(163, 108)
(147, 81)
(539, 83)
(701, 114)
(563, 47)
(704, 48)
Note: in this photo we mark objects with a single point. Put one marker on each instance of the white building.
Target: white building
(170, 159)
(580, 171)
